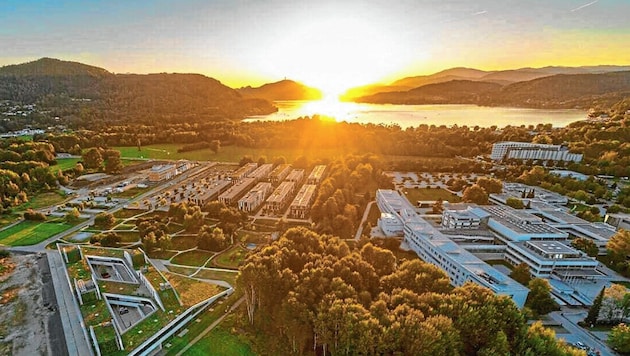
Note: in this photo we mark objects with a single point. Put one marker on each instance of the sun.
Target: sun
(336, 53)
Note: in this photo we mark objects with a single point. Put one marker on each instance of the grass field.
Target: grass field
(31, 232)
(225, 154)
(192, 258)
(42, 200)
(231, 258)
(229, 277)
(64, 163)
(415, 194)
(220, 342)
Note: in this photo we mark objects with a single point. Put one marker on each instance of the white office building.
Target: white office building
(526, 150)
(552, 258)
(436, 248)
(466, 219)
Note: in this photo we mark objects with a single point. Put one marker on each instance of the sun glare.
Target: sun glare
(336, 54)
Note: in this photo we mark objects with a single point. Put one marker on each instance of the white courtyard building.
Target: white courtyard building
(526, 150)
(436, 248)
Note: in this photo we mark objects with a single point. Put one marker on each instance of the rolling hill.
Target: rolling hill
(451, 92)
(503, 77)
(141, 97)
(282, 90)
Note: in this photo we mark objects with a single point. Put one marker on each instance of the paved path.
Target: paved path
(567, 319)
(357, 236)
(209, 328)
(71, 320)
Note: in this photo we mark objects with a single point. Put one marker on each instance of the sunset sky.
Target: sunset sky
(328, 44)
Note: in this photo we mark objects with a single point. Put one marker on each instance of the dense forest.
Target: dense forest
(123, 97)
(309, 293)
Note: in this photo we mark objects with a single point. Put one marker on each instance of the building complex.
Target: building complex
(526, 150)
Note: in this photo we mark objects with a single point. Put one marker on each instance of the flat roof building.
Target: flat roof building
(301, 204)
(255, 197)
(436, 248)
(296, 176)
(162, 172)
(547, 258)
(279, 173)
(236, 191)
(519, 225)
(243, 172)
(211, 192)
(317, 174)
(279, 198)
(469, 218)
(526, 151)
(262, 172)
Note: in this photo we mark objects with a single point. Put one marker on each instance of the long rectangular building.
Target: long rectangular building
(255, 197)
(280, 197)
(302, 202)
(279, 173)
(261, 172)
(526, 150)
(296, 175)
(211, 192)
(236, 191)
(317, 174)
(243, 172)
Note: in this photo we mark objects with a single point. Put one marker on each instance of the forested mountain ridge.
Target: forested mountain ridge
(503, 77)
(452, 92)
(139, 97)
(556, 91)
(282, 90)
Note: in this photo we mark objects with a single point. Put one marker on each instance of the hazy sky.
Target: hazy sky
(330, 44)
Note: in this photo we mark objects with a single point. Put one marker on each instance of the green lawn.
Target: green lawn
(130, 193)
(231, 258)
(42, 200)
(183, 243)
(415, 194)
(225, 154)
(64, 163)
(31, 232)
(220, 342)
(192, 258)
(229, 277)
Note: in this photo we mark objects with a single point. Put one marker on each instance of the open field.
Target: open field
(229, 277)
(220, 341)
(31, 232)
(64, 163)
(231, 258)
(192, 258)
(415, 194)
(225, 154)
(42, 200)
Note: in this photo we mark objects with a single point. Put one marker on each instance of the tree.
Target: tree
(490, 185)
(437, 207)
(72, 215)
(92, 158)
(515, 203)
(619, 246)
(619, 338)
(245, 160)
(113, 163)
(542, 341)
(521, 274)
(586, 245)
(78, 169)
(106, 239)
(593, 312)
(104, 220)
(215, 146)
(211, 239)
(539, 297)
(419, 277)
(475, 194)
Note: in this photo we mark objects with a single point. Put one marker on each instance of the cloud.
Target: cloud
(583, 6)
(480, 13)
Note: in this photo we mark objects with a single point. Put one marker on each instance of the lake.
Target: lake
(414, 115)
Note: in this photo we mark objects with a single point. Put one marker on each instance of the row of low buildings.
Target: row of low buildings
(525, 151)
(162, 172)
(253, 187)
